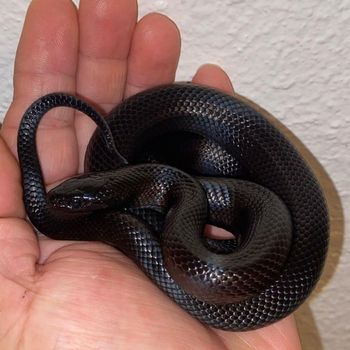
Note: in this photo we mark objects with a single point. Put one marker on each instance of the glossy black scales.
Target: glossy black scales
(166, 162)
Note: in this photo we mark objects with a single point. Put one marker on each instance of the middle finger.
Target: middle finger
(106, 28)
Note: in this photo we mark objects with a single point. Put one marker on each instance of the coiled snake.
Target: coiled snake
(237, 172)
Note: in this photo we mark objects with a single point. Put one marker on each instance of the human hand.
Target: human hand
(79, 295)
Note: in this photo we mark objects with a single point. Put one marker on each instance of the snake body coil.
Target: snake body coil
(237, 172)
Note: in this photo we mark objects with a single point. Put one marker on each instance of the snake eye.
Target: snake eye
(76, 203)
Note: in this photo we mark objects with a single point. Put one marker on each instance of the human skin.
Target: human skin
(87, 295)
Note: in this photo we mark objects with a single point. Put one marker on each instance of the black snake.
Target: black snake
(163, 164)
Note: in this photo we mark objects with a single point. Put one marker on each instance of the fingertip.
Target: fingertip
(214, 76)
(49, 38)
(106, 28)
(154, 53)
(156, 20)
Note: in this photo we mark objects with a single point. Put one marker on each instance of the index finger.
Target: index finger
(46, 61)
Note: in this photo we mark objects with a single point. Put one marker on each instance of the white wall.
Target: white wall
(291, 57)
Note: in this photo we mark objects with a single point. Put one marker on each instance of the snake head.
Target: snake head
(77, 195)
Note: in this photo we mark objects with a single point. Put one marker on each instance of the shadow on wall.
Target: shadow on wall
(307, 326)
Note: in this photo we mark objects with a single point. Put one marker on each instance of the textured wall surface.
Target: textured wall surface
(292, 58)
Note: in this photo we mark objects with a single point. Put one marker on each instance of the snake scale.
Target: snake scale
(168, 161)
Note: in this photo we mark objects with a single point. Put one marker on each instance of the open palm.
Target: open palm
(78, 295)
